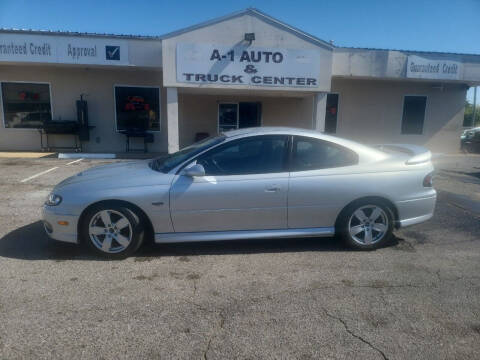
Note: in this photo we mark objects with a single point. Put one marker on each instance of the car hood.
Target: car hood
(121, 174)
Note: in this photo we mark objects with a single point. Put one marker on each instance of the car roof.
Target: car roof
(267, 130)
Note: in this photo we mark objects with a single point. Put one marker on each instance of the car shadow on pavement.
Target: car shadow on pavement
(252, 246)
(30, 242)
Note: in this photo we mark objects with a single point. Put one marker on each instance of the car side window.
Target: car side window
(313, 154)
(252, 155)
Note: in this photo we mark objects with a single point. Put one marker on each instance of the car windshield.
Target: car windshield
(167, 162)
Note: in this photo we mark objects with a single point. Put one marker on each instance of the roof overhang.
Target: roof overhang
(406, 65)
(26, 47)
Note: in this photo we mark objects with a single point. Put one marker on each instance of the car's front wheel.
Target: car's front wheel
(112, 231)
(366, 225)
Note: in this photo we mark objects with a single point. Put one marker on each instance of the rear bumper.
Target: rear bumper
(415, 211)
(51, 218)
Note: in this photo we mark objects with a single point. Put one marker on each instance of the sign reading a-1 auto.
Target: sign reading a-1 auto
(62, 49)
(247, 65)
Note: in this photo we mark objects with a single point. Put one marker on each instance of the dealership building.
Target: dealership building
(62, 90)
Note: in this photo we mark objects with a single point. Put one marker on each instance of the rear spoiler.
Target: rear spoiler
(418, 154)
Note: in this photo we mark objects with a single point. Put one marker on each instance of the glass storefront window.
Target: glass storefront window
(26, 105)
(227, 117)
(137, 108)
(331, 114)
(241, 115)
(413, 114)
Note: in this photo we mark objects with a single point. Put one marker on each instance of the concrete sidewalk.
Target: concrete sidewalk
(25, 154)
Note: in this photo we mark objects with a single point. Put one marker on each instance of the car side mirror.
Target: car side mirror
(195, 171)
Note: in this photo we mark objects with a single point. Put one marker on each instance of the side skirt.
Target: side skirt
(162, 238)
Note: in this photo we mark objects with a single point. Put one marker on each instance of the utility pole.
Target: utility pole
(474, 106)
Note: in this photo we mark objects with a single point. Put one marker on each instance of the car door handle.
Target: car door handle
(273, 188)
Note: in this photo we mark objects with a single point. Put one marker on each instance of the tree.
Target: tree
(468, 117)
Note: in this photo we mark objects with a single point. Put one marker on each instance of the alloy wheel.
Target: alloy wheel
(110, 231)
(368, 225)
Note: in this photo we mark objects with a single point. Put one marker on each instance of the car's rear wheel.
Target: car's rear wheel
(112, 231)
(366, 225)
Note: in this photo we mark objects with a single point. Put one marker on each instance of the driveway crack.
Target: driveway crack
(215, 331)
(347, 329)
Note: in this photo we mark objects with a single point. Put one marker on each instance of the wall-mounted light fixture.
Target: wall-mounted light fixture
(249, 37)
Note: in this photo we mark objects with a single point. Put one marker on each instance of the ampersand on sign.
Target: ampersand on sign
(250, 69)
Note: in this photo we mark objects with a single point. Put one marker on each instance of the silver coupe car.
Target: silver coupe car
(248, 183)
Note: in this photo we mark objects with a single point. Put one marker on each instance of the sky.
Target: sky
(428, 25)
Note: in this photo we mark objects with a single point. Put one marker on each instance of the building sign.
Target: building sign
(63, 50)
(113, 52)
(247, 65)
(421, 68)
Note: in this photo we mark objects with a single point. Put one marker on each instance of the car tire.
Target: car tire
(365, 224)
(112, 231)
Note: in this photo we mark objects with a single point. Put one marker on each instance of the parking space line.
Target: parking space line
(39, 174)
(74, 161)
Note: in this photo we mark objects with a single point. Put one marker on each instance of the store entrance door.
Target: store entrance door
(239, 115)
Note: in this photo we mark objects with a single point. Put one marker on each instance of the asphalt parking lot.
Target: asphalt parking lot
(418, 298)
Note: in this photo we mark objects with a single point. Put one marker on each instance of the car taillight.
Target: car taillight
(428, 180)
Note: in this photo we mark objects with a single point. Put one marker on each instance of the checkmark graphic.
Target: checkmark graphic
(112, 52)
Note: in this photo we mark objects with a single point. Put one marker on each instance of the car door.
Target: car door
(320, 182)
(244, 188)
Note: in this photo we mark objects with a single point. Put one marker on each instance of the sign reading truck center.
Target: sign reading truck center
(247, 65)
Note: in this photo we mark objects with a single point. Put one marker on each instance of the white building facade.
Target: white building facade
(245, 69)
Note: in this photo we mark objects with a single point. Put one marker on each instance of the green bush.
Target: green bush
(468, 117)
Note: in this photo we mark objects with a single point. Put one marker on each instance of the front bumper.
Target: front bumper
(51, 218)
(415, 211)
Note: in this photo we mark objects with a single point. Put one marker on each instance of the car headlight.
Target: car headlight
(53, 200)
